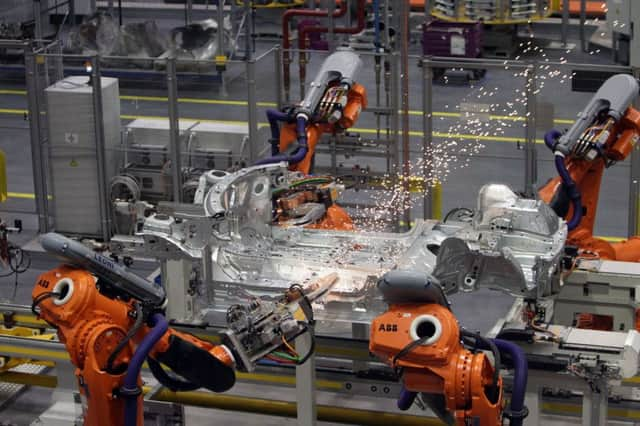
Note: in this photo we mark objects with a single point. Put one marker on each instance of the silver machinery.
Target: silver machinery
(205, 146)
(232, 233)
(508, 243)
(242, 251)
(145, 177)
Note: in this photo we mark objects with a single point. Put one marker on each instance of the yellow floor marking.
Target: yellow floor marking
(231, 102)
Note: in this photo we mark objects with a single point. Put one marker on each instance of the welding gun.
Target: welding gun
(605, 109)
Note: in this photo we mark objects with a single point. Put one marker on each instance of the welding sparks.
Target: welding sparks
(496, 112)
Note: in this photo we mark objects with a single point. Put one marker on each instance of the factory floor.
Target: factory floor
(495, 157)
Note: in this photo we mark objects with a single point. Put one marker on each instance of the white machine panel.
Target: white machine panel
(73, 155)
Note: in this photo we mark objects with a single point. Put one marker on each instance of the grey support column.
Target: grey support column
(188, 12)
(595, 405)
(306, 384)
(254, 147)
(174, 130)
(207, 273)
(404, 93)
(105, 210)
(530, 152)
(565, 22)
(427, 138)
(37, 15)
(395, 126)
(360, 331)
(277, 62)
(220, 19)
(39, 172)
(248, 27)
(331, 6)
(583, 19)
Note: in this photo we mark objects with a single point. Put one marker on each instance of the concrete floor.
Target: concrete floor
(496, 161)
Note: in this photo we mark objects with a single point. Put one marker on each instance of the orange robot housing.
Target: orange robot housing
(92, 326)
(440, 364)
(588, 178)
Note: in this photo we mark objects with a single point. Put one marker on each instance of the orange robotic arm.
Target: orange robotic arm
(110, 322)
(419, 337)
(587, 174)
(334, 116)
(101, 334)
(439, 365)
(332, 104)
(604, 133)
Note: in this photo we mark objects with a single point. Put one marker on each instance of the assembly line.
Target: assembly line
(414, 212)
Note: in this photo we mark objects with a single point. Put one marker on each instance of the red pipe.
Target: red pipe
(286, 17)
(302, 39)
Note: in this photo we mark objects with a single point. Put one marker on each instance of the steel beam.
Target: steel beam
(277, 62)
(220, 19)
(174, 130)
(252, 100)
(404, 96)
(565, 22)
(583, 19)
(37, 15)
(427, 138)
(530, 152)
(98, 120)
(188, 12)
(306, 408)
(35, 127)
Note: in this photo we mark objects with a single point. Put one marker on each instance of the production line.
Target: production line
(507, 243)
(267, 277)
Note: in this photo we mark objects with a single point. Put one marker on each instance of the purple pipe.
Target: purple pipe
(130, 388)
(406, 398)
(550, 139)
(273, 115)
(517, 410)
(573, 192)
(301, 152)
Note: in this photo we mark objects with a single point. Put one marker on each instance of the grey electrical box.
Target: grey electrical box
(73, 154)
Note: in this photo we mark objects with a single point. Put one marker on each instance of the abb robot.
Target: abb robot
(111, 321)
(420, 338)
(604, 133)
(332, 105)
